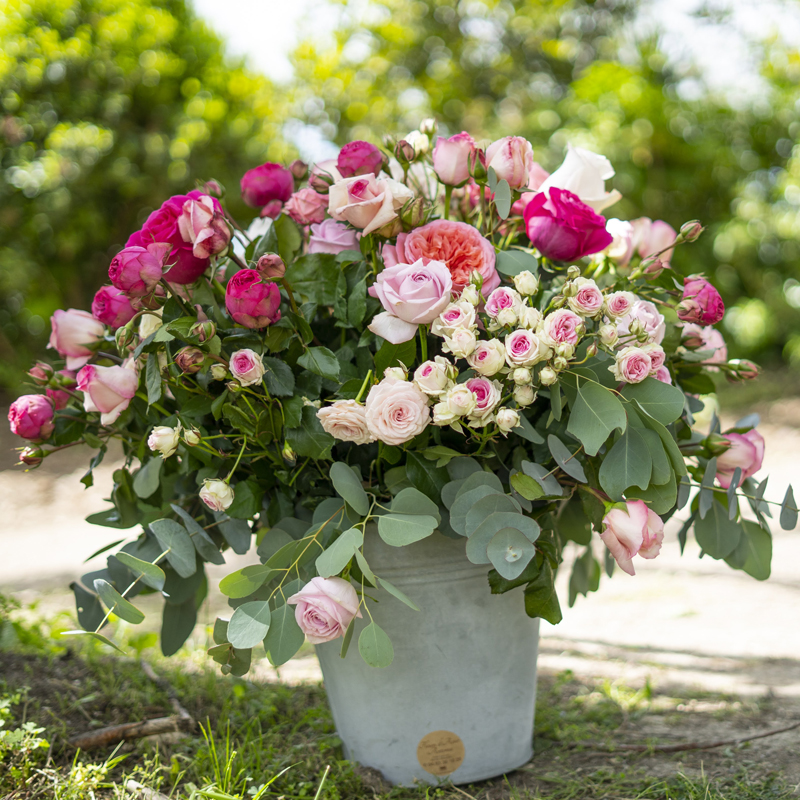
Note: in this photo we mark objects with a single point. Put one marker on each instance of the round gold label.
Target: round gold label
(440, 752)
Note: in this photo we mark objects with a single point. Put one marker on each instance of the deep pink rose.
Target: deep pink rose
(252, 302)
(31, 417)
(451, 158)
(512, 160)
(746, 452)
(112, 307)
(701, 302)
(359, 158)
(324, 608)
(136, 270)
(108, 390)
(202, 224)
(265, 183)
(634, 530)
(71, 332)
(331, 236)
(563, 228)
(307, 206)
(456, 244)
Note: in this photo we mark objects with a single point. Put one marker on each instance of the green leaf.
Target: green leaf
(502, 199)
(177, 624)
(98, 636)
(236, 532)
(116, 603)
(278, 377)
(478, 542)
(239, 419)
(662, 401)
(758, 557)
(245, 581)
(510, 552)
(788, 517)
(542, 476)
(464, 503)
(284, 637)
(314, 277)
(393, 355)
(526, 431)
(399, 530)
(441, 455)
(246, 500)
(89, 609)
(541, 599)
(290, 239)
(145, 481)
(357, 303)
(668, 440)
(375, 647)
(489, 505)
(659, 497)
(566, 458)
(706, 496)
(320, 361)
(628, 463)
(430, 479)
(596, 413)
(202, 542)
(172, 536)
(249, 624)
(512, 262)
(337, 556)
(662, 469)
(348, 487)
(151, 574)
(412, 501)
(309, 439)
(395, 592)
(152, 377)
(716, 534)
(526, 486)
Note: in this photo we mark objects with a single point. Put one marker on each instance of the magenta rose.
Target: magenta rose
(324, 608)
(331, 236)
(451, 158)
(31, 417)
(136, 270)
(307, 206)
(266, 183)
(112, 307)
(108, 390)
(630, 531)
(701, 302)
(746, 452)
(563, 228)
(252, 302)
(455, 244)
(359, 158)
(71, 333)
(202, 224)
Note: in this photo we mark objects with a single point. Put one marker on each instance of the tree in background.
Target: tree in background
(531, 67)
(106, 109)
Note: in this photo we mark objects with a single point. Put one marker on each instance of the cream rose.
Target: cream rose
(396, 411)
(346, 420)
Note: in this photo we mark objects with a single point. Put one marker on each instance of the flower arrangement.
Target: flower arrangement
(423, 338)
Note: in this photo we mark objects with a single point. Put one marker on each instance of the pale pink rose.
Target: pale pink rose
(524, 349)
(108, 390)
(512, 160)
(588, 300)
(562, 327)
(650, 237)
(584, 173)
(503, 298)
(632, 365)
(487, 398)
(537, 176)
(635, 529)
(396, 411)
(456, 244)
(330, 236)
(325, 607)
(203, 224)
(620, 250)
(366, 202)
(704, 337)
(461, 342)
(31, 417)
(247, 367)
(488, 357)
(657, 355)
(650, 318)
(435, 377)
(456, 315)
(460, 400)
(618, 304)
(652, 535)
(663, 375)
(216, 494)
(413, 295)
(306, 206)
(746, 452)
(71, 331)
(323, 175)
(451, 158)
(346, 420)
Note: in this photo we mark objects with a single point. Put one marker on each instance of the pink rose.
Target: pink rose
(456, 244)
(346, 420)
(330, 236)
(706, 338)
(503, 299)
(272, 209)
(663, 375)
(746, 452)
(31, 417)
(537, 176)
(397, 411)
(451, 158)
(487, 398)
(323, 175)
(488, 357)
(359, 158)
(325, 607)
(202, 224)
(631, 531)
(524, 348)
(108, 390)
(657, 355)
(563, 228)
(71, 332)
(137, 270)
(434, 378)
(366, 202)
(456, 315)
(701, 302)
(619, 304)
(651, 237)
(584, 173)
(562, 327)
(266, 183)
(648, 317)
(307, 206)
(512, 160)
(247, 367)
(59, 396)
(252, 302)
(413, 295)
(632, 365)
(112, 307)
(588, 299)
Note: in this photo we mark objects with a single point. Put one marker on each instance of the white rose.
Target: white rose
(461, 343)
(419, 141)
(506, 317)
(346, 420)
(470, 294)
(526, 283)
(488, 358)
(584, 173)
(524, 348)
(521, 376)
(507, 419)
(530, 318)
(524, 395)
(442, 414)
(164, 440)
(608, 335)
(216, 494)
(219, 372)
(192, 437)
(247, 367)
(456, 315)
(150, 322)
(398, 373)
(460, 400)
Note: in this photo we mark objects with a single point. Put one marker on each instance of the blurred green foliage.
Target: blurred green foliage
(570, 70)
(106, 109)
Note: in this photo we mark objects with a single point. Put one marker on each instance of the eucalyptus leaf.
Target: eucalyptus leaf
(596, 413)
(348, 486)
(628, 463)
(245, 581)
(510, 552)
(662, 401)
(512, 262)
(715, 533)
(375, 646)
(788, 517)
(337, 556)
(565, 458)
(399, 530)
(249, 624)
(172, 536)
(116, 603)
(151, 574)
(395, 592)
(284, 637)
(146, 479)
(412, 501)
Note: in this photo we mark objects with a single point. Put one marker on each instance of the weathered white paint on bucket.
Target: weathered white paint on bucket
(464, 664)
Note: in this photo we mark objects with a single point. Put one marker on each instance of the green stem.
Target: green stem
(238, 459)
(448, 194)
(286, 285)
(363, 387)
(188, 311)
(423, 343)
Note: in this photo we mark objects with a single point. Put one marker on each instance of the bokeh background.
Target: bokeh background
(108, 107)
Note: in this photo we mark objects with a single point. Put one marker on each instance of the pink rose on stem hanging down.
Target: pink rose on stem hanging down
(512, 160)
(266, 183)
(71, 332)
(112, 307)
(396, 411)
(346, 420)
(108, 390)
(583, 174)
(137, 270)
(306, 206)
(324, 608)
(746, 452)
(413, 295)
(701, 302)
(330, 236)
(247, 367)
(563, 228)
(31, 417)
(634, 530)
(457, 245)
(359, 158)
(203, 225)
(366, 202)
(451, 158)
(252, 302)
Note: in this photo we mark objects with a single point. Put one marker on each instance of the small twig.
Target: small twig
(105, 737)
(143, 792)
(167, 687)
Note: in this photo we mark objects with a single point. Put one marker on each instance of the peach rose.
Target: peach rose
(396, 411)
(366, 202)
(346, 420)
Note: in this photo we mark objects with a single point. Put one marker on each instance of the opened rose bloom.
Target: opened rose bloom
(456, 315)
(330, 236)
(203, 224)
(562, 326)
(704, 337)
(396, 411)
(488, 357)
(307, 206)
(524, 349)
(588, 299)
(487, 397)
(346, 420)
(71, 333)
(247, 367)
(324, 608)
(108, 390)
(367, 203)
(251, 301)
(584, 173)
(745, 453)
(631, 531)
(31, 417)
(112, 307)
(435, 377)
(632, 365)
(645, 315)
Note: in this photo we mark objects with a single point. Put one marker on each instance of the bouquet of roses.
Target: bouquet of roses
(418, 339)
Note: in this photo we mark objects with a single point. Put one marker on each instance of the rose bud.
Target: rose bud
(71, 333)
(744, 370)
(323, 175)
(247, 367)
(203, 330)
(108, 390)
(31, 417)
(112, 307)
(524, 395)
(271, 266)
(203, 225)
(526, 283)
(136, 270)
(124, 337)
(32, 456)
(746, 452)
(451, 158)
(214, 188)
(512, 160)
(192, 437)
(690, 231)
(477, 166)
(265, 184)
(59, 397)
(272, 209)
(307, 206)
(507, 419)
(608, 335)
(164, 440)
(404, 152)
(252, 302)
(189, 360)
(216, 494)
(359, 158)
(419, 141)
(716, 444)
(547, 377)
(652, 266)
(299, 169)
(289, 455)
(219, 372)
(41, 373)
(324, 608)
(701, 302)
